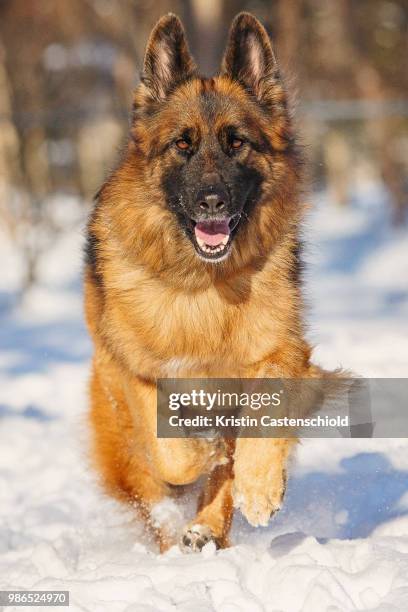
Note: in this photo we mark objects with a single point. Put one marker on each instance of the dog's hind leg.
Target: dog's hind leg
(215, 509)
(153, 502)
(120, 457)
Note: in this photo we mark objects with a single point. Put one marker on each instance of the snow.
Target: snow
(340, 543)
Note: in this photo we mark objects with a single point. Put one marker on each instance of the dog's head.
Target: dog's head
(218, 153)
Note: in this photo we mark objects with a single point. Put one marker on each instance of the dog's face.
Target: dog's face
(215, 148)
(208, 177)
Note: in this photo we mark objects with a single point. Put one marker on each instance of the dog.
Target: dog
(193, 269)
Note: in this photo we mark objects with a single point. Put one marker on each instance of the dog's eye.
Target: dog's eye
(182, 144)
(236, 143)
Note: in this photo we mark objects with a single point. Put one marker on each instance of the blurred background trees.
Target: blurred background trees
(67, 71)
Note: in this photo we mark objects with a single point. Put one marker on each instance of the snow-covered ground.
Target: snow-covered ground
(341, 541)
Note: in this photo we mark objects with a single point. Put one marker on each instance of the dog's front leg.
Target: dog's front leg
(260, 467)
(215, 508)
(260, 477)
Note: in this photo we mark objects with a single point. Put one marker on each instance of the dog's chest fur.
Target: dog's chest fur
(218, 331)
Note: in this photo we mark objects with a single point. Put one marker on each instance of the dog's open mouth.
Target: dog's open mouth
(213, 237)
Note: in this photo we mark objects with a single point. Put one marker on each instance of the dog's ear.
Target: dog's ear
(167, 61)
(249, 58)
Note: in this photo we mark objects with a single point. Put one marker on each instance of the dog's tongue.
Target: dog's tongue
(212, 232)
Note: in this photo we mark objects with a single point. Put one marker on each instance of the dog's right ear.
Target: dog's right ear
(249, 59)
(167, 61)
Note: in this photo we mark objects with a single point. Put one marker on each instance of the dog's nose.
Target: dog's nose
(212, 200)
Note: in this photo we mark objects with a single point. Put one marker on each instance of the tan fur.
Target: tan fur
(155, 310)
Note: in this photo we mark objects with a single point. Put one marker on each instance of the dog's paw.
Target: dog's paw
(257, 508)
(195, 537)
(258, 503)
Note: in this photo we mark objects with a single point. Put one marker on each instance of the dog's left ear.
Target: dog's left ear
(249, 58)
(167, 61)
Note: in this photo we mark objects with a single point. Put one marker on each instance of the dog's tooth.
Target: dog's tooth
(212, 250)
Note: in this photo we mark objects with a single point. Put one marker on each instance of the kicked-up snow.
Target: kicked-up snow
(339, 544)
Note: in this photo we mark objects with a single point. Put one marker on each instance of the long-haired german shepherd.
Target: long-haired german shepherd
(193, 271)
